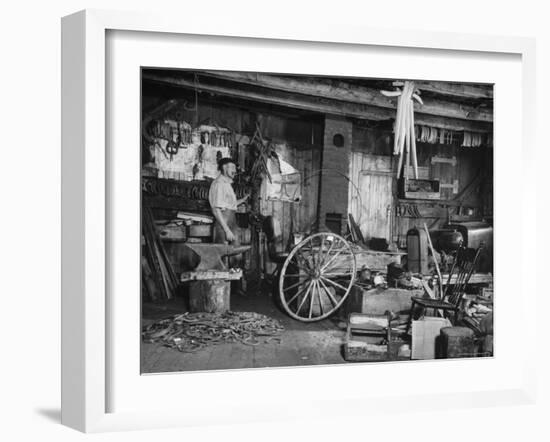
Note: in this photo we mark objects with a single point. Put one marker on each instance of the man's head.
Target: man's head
(227, 167)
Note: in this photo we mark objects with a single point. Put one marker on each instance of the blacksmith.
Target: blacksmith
(224, 202)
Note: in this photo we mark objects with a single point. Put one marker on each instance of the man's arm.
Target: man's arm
(216, 199)
(243, 199)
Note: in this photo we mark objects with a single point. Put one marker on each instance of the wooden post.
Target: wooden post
(255, 270)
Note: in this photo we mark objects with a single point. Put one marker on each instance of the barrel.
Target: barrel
(457, 342)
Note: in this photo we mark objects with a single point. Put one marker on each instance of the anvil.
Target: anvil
(209, 256)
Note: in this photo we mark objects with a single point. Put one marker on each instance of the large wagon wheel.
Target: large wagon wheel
(317, 277)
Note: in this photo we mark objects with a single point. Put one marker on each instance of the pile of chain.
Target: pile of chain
(191, 332)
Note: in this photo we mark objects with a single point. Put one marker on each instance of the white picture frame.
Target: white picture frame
(86, 203)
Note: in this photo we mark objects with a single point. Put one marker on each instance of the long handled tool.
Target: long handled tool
(435, 261)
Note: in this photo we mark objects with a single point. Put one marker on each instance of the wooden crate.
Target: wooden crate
(363, 336)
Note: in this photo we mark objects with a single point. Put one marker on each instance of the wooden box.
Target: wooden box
(419, 189)
(364, 337)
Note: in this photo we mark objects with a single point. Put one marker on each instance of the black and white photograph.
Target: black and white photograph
(295, 220)
(300, 220)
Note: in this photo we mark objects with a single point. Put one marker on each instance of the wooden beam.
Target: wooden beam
(343, 91)
(457, 89)
(318, 104)
(281, 98)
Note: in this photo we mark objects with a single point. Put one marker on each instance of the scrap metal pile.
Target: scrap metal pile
(192, 332)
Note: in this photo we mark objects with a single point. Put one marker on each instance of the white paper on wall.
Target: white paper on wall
(179, 166)
(285, 183)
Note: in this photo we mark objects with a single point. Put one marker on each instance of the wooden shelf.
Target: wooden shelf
(437, 202)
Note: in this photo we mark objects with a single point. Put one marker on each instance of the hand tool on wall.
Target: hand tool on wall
(171, 149)
(155, 113)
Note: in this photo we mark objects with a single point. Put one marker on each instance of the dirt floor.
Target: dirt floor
(301, 343)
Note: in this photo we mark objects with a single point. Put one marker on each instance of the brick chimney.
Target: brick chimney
(333, 201)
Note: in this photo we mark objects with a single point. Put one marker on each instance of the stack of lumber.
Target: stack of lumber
(158, 276)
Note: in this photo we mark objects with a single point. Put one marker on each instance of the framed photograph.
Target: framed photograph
(285, 222)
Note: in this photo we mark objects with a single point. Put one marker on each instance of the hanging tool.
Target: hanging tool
(405, 137)
(172, 149)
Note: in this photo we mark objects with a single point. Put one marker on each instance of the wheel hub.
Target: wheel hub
(315, 273)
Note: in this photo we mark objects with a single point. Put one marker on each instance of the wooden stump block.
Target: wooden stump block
(457, 342)
(210, 296)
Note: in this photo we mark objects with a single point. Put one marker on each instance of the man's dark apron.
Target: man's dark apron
(218, 234)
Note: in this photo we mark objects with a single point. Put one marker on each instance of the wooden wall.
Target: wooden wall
(473, 165)
(302, 216)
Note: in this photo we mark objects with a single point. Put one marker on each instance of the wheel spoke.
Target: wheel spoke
(316, 258)
(321, 310)
(340, 264)
(312, 255)
(295, 285)
(331, 259)
(297, 264)
(311, 299)
(328, 252)
(298, 293)
(334, 283)
(330, 295)
(300, 257)
(308, 291)
(337, 274)
(321, 249)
